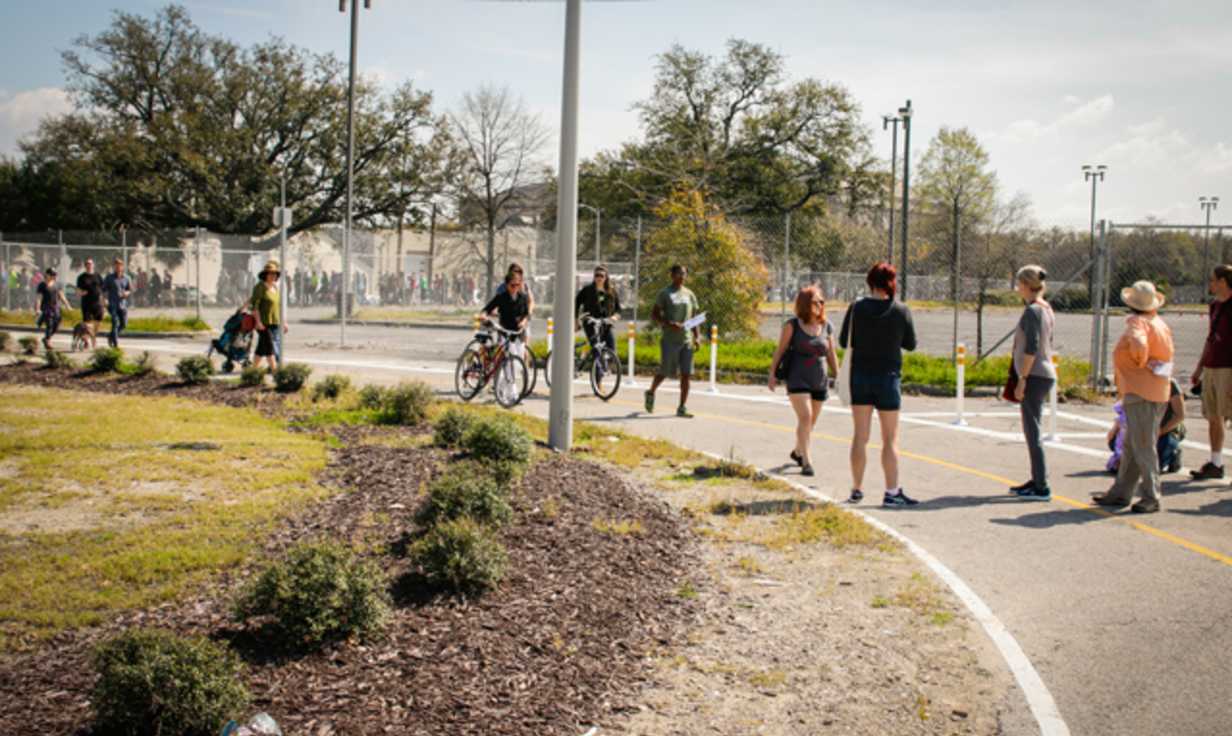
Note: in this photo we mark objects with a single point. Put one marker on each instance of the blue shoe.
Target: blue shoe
(894, 500)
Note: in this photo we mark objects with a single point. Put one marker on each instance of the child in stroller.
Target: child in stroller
(235, 342)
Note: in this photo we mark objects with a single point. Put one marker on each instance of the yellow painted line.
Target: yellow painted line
(1157, 533)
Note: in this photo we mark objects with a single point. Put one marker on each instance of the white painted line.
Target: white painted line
(1039, 698)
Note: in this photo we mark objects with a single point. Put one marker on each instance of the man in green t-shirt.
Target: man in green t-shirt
(674, 306)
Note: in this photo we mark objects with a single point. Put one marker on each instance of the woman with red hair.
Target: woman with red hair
(877, 329)
(804, 343)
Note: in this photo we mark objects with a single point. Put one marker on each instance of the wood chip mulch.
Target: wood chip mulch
(561, 644)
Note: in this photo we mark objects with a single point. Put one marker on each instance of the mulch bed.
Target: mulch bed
(559, 645)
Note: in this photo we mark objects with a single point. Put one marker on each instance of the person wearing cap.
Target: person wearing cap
(1033, 364)
(264, 306)
(1143, 363)
(117, 287)
(1214, 371)
(50, 299)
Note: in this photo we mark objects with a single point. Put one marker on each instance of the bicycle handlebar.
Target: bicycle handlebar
(492, 325)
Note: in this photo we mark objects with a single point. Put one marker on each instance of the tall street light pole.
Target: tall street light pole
(886, 121)
(560, 413)
(1208, 204)
(904, 113)
(1093, 174)
(350, 159)
(598, 221)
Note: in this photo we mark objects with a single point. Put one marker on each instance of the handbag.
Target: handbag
(780, 370)
(1011, 386)
(843, 381)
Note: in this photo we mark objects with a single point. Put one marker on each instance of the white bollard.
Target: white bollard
(632, 352)
(960, 359)
(714, 358)
(1052, 404)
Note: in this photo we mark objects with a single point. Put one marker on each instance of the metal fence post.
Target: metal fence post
(198, 239)
(1096, 281)
(8, 268)
(1104, 228)
(637, 270)
(786, 264)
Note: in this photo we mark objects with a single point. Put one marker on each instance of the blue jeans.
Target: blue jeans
(1169, 448)
(276, 337)
(119, 321)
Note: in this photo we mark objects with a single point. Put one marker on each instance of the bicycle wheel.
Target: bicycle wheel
(605, 374)
(509, 385)
(532, 371)
(468, 377)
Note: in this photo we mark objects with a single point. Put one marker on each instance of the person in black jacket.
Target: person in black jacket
(599, 300)
(878, 329)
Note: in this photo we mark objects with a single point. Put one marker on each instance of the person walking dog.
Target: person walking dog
(878, 330)
(90, 287)
(1214, 371)
(805, 350)
(674, 306)
(1036, 375)
(1143, 363)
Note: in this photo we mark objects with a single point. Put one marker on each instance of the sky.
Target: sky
(1142, 86)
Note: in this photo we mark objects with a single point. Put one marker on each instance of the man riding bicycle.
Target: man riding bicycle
(598, 300)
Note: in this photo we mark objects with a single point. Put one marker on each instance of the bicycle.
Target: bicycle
(602, 362)
(532, 364)
(487, 359)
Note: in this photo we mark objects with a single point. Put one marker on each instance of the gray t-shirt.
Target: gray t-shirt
(1034, 337)
(807, 369)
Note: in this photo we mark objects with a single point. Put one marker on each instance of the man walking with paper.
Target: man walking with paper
(675, 312)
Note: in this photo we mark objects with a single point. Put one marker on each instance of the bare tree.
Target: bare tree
(501, 143)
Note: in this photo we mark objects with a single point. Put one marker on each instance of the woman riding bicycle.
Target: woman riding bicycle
(599, 300)
(511, 305)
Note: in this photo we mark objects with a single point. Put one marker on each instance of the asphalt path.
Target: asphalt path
(1126, 618)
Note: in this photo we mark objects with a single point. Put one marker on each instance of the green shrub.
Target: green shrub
(461, 555)
(252, 376)
(497, 440)
(106, 360)
(195, 369)
(6, 339)
(29, 345)
(466, 490)
(407, 403)
(1071, 298)
(320, 592)
(372, 397)
(451, 426)
(143, 365)
(331, 387)
(291, 377)
(154, 682)
(58, 360)
(1002, 298)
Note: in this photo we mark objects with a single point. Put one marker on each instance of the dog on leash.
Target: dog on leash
(81, 337)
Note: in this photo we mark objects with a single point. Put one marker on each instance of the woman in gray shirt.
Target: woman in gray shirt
(1036, 375)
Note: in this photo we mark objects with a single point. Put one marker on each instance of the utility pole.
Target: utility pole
(283, 224)
(887, 120)
(905, 113)
(1208, 204)
(350, 159)
(1093, 174)
(431, 244)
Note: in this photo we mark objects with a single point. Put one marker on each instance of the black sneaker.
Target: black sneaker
(1022, 487)
(807, 471)
(856, 496)
(895, 500)
(1208, 470)
(1034, 493)
(797, 458)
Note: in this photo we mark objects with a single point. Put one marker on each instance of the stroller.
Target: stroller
(235, 342)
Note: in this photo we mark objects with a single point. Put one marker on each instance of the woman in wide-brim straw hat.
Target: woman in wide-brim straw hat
(1143, 363)
(266, 309)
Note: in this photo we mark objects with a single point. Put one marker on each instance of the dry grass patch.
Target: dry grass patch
(621, 527)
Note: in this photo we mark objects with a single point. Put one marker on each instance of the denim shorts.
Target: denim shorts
(883, 391)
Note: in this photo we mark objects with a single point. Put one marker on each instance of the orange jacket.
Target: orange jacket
(1145, 339)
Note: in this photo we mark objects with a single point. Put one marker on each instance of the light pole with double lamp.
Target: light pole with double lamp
(1093, 174)
(904, 114)
(350, 162)
(598, 221)
(1208, 204)
(886, 122)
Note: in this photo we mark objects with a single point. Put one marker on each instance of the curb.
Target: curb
(407, 325)
(127, 333)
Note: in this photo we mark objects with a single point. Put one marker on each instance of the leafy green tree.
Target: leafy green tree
(729, 279)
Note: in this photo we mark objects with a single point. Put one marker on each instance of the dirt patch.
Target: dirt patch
(561, 644)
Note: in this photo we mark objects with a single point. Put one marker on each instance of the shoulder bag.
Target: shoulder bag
(843, 381)
(784, 364)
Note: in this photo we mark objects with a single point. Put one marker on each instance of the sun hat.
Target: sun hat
(1142, 296)
(271, 266)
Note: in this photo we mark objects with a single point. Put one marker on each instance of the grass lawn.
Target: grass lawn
(157, 323)
(111, 502)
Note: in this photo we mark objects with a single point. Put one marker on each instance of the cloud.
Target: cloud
(234, 12)
(21, 113)
(1082, 116)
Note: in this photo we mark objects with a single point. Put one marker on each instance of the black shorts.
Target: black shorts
(820, 395)
(91, 310)
(883, 391)
(265, 344)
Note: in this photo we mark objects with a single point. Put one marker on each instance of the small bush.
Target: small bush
(466, 490)
(461, 555)
(318, 593)
(252, 376)
(497, 440)
(58, 360)
(6, 339)
(106, 360)
(291, 377)
(143, 365)
(154, 682)
(29, 345)
(331, 387)
(1072, 298)
(195, 369)
(407, 403)
(372, 397)
(451, 426)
